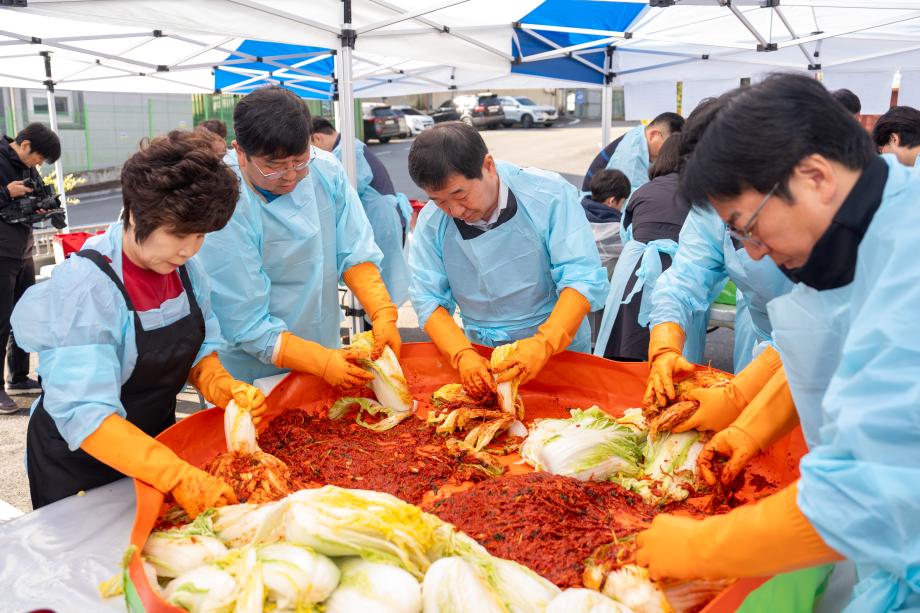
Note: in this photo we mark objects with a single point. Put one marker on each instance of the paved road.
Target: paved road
(567, 149)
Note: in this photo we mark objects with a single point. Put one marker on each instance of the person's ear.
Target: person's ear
(893, 141)
(488, 165)
(816, 173)
(240, 154)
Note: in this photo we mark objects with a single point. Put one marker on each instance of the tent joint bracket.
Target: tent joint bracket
(349, 36)
(767, 47)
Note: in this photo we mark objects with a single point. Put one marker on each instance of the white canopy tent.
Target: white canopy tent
(710, 44)
(175, 47)
(390, 47)
(446, 32)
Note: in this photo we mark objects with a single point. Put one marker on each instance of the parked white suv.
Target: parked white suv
(523, 110)
(417, 121)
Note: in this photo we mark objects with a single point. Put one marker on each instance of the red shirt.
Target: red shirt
(149, 290)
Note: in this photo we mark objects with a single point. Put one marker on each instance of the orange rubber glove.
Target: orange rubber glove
(552, 337)
(365, 283)
(720, 406)
(764, 538)
(219, 387)
(337, 367)
(666, 342)
(128, 449)
(768, 417)
(475, 371)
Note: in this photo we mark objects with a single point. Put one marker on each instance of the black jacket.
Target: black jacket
(15, 239)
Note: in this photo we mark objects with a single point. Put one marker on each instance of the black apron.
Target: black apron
(164, 358)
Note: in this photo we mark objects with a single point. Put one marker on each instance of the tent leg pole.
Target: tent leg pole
(52, 117)
(13, 123)
(606, 113)
(346, 124)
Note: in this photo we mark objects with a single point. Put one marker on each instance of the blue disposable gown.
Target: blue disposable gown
(631, 157)
(507, 280)
(276, 265)
(705, 260)
(386, 213)
(81, 329)
(852, 356)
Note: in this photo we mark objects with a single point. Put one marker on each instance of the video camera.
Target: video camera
(25, 209)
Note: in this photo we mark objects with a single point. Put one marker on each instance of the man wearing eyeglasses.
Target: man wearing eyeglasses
(709, 254)
(297, 229)
(799, 178)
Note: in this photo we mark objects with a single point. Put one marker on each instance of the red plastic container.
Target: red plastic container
(71, 242)
(568, 380)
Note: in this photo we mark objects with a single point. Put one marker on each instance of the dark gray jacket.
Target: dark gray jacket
(15, 239)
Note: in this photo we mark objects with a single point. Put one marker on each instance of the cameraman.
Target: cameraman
(19, 159)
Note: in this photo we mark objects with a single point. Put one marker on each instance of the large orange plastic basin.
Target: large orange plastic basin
(569, 380)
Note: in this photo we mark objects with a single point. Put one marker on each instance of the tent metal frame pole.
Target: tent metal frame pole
(812, 61)
(13, 109)
(607, 96)
(536, 57)
(763, 42)
(855, 30)
(346, 126)
(551, 43)
(257, 6)
(409, 15)
(52, 119)
(443, 28)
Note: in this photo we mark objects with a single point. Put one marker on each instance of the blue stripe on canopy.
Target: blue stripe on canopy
(610, 16)
(301, 84)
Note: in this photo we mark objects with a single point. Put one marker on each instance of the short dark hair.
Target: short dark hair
(444, 149)
(609, 183)
(672, 121)
(848, 99)
(901, 120)
(668, 160)
(41, 140)
(272, 122)
(177, 182)
(215, 126)
(756, 136)
(321, 125)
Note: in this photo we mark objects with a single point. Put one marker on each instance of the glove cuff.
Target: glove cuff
(771, 413)
(757, 374)
(667, 337)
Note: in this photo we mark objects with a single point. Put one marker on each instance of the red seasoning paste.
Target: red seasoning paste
(406, 461)
(549, 523)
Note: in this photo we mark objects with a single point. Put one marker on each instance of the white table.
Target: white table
(55, 557)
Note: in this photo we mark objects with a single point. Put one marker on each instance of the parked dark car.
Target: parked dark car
(380, 123)
(481, 110)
